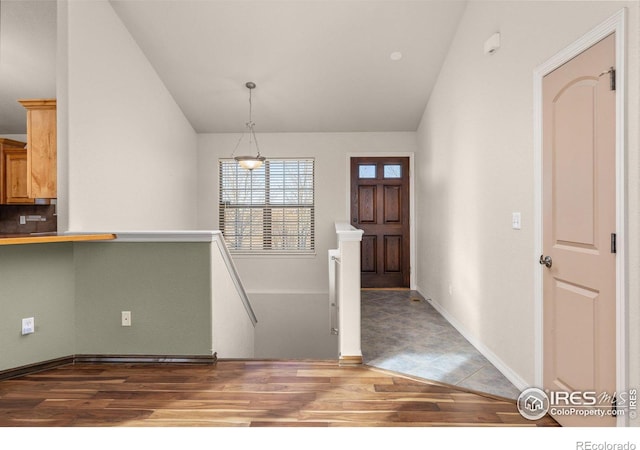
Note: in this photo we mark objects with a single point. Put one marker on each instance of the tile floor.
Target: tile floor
(411, 337)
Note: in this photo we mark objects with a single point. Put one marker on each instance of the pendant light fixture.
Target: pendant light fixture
(250, 162)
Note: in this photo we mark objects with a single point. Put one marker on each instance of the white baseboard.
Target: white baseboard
(512, 376)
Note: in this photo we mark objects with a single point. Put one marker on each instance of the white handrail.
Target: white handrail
(334, 259)
(224, 250)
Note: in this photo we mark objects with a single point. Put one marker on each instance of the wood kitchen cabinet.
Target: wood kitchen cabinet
(42, 170)
(13, 172)
(15, 182)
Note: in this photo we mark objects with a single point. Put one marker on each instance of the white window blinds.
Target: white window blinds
(270, 209)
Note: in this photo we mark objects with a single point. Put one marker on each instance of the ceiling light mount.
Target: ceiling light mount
(250, 162)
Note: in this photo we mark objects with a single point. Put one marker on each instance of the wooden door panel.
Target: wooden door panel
(16, 179)
(392, 254)
(367, 211)
(392, 204)
(17, 186)
(369, 254)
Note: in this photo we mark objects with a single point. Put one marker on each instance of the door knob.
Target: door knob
(546, 260)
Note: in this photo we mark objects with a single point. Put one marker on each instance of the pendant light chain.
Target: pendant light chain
(250, 124)
(250, 162)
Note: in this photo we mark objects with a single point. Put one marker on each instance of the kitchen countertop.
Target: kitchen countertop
(160, 235)
(44, 238)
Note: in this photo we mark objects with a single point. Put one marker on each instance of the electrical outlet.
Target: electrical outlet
(28, 325)
(126, 318)
(23, 220)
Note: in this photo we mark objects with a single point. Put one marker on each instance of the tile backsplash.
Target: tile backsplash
(38, 218)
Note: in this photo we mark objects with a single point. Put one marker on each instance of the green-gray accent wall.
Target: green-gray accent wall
(36, 281)
(166, 286)
(76, 292)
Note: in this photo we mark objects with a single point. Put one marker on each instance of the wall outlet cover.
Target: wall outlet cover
(126, 318)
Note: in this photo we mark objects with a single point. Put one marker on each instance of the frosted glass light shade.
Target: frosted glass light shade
(250, 162)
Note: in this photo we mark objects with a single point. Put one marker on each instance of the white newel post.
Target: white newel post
(348, 287)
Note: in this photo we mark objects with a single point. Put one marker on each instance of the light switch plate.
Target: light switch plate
(516, 221)
(28, 325)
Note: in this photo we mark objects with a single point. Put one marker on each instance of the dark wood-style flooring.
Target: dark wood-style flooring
(243, 394)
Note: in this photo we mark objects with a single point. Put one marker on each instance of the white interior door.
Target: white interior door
(579, 217)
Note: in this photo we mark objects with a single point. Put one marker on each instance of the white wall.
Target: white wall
(475, 167)
(130, 152)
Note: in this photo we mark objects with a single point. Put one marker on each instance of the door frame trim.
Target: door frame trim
(614, 24)
(412, 201)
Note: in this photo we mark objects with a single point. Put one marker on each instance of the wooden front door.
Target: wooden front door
(380, 207)
(579, 205)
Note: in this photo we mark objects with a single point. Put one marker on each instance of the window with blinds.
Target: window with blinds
(270, 209)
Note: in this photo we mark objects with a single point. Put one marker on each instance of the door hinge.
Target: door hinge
(612, 78)
(613, 243)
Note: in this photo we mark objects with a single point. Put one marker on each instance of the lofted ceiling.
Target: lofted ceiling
(319, 66)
